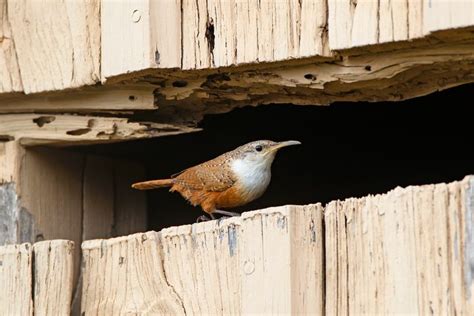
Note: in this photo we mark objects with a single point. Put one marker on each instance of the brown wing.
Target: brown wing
(209, 176)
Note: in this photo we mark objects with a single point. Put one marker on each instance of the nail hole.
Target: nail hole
(368, 68)
(132, 98)
(180, 83)
(310, 77)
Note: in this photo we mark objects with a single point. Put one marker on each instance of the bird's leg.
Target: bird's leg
(231, 214)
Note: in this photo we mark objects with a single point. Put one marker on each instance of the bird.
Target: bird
(232, 179)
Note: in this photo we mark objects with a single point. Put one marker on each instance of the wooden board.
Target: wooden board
(125, 276)
(218, 267)
(53, 281)
(91, 99)
(405, 252)
(57, 43)
(15, 280)
(138, 35)
(225, 33)
(10, 79)
(37, 129)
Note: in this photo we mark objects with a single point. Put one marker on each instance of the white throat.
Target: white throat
(253, 176)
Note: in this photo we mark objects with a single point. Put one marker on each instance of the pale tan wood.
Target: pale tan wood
(225, 33)
(59, 46)
(53, 277)
(281, 255)
(202, 263)
(11, 157)
(407, 251)
(367, 22)
(130, 206)
(268, 261)
(441, 14)
(36, 129)
(15, 280)
(10, 80)
(96, 99)
(125, 275)
(138, 35)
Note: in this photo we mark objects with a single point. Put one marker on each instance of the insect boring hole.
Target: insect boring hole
(346, 151)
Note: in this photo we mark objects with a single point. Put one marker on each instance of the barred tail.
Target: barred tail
(153, 184)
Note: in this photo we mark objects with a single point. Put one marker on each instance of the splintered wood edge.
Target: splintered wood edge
(25, 248)
(196, 228)
(63, 129)
(87, 99)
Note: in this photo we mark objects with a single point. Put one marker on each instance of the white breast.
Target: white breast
(253, 177)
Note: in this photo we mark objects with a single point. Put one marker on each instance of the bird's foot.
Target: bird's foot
(204, 218)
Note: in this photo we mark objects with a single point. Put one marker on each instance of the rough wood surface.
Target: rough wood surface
(125, 276)
(405, 252)
(53, 281)
(15, 280)
(36, 129)
(90, 99)
(57, 43)
(212, 268)
(138, 35)
(10, 79)
(225, 33)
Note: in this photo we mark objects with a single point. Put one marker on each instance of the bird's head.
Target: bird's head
(262, 152)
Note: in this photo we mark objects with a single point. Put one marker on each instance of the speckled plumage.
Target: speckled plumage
(229, 180)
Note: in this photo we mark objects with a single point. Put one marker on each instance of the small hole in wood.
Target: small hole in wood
(42, 120)
(368, 68)
(132, 98)
(78, 132)
(180, 83)
(310, 77)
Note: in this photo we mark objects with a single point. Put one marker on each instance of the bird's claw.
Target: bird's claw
(202, 218)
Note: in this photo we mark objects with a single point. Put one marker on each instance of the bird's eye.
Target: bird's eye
(258, 148)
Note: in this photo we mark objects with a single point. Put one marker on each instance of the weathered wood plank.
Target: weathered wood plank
(282, 260)
(139, 35)
(407, 251)
(53, 277)
(217, 267)
(441, 15)
(90, 99)
(125, 276)
(10, 79)
(225, 33)
(15, 280)
(35, 129)
(57, 43)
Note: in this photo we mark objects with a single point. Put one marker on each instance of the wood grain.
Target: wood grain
(15, 280)
(407, 251)
(267, 261)
(53, 282)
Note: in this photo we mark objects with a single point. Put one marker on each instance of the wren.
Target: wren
(233, 179)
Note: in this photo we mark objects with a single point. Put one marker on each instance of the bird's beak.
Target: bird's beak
(284, 144)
